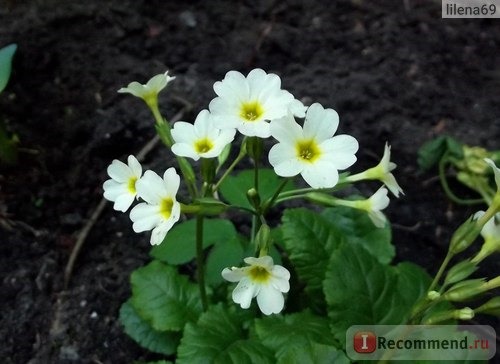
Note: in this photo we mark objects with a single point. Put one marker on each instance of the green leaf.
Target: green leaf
(164, 298)
(219, 337)
(278, 332)
(179, 246)
(431, 152)
(360, 290)
(310, 239)
(234, 188)
(164, 342)
(224, 254)
(312, 353)
(355, 227)
(299, 338)
(6, 54)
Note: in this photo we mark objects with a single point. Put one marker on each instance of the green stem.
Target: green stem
(238, 159)
(289, 198)
(447, 189)
(440, 272)
(200, 261)
(270, 202)
(256, 175)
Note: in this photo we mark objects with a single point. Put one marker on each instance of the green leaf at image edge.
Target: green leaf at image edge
(164, 298)
(6, 55)
(162, 342)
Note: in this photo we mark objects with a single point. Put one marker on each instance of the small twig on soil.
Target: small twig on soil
(82, 235)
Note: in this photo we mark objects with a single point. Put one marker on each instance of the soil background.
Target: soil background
(394, 70)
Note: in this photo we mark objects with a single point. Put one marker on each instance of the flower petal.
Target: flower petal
(320, 124)
(183, 132)
(234, 274)
(119, 171)
(320, 174)
(172, 182)
(244, 292)
(270, 300)
(283, 160)
(340, 150)
(145, 217)
(286, 130)
(151, 188)
(113, 189)
(123, 202)
(185, 150)
(135, 166)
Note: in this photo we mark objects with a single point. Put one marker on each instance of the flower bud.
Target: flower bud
(465, 313)
(433, 295)
(253, 197)
(464, 236)
(459, 272)
(465, 290)
(262, 239)
(492, 307)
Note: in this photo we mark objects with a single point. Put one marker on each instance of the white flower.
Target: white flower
(496, 171)
(121, 188)
(381, 172)
(201, 139)
(161, 210)
(150, 90)
(249, 103)
(490, 230)
(375, 204)
(262, 279)
(312, 151)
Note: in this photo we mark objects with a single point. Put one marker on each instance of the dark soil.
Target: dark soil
(392, 72)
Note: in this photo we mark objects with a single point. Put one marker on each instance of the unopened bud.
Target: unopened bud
(492, 307)
(253, 197)
(433, 295)
(465, 290)
(465, 313)
(459, 272)
(262, 239)
(464, 236)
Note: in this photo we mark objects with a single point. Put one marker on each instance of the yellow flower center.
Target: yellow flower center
(259, 274)
(251, 111)
(308, 150)
(203, 145)
(131, 185)
(166, 207)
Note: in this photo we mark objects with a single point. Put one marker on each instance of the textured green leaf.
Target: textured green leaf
(234, 188)
(355, 227)
(278, 332)
(431, 152)
(360, 290)
(164, 298)
(162, 342)
(219, 337)
(224, 254)
(311, 238)
(6, 54)
(312, 353)
(179, 246)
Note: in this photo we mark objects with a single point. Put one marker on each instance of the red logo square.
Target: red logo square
(365, 342)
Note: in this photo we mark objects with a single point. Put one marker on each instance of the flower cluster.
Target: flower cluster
(257, 107)
(159, 212)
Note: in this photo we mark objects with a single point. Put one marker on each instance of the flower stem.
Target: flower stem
(229, 169)
(447, 189)
(440, 272)
(200, 261)
(270, 202)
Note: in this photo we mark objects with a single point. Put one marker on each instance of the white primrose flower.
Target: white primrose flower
(490, 230)
(381, 172)
(249, 103)
(160, 211)
(375, 204)
(201, 139)
(312, 151)
(151, 89)
(262, 279)
(121, 188)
